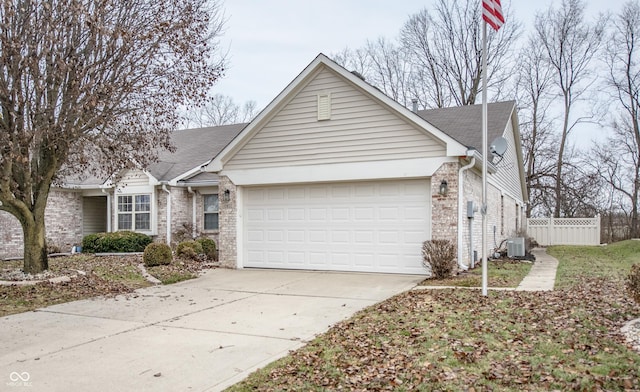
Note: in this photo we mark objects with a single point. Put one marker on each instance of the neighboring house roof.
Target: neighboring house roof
(463, 123)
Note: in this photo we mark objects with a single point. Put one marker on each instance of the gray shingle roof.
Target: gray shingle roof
(194, 147)
(464, 123)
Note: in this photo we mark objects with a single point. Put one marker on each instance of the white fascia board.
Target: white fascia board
(190, 173)
(378, 170)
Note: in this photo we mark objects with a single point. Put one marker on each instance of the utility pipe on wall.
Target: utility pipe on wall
(164, 188)
(461, 213)
(193, 209)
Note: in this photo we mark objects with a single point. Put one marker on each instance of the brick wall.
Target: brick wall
(181, 215)
(180, 212)
(444, 209)
(63, 224)
(228, 223)
(63, 218)
(11, 239)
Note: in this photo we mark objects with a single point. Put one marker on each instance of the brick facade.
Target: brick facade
(444, 209)
(63, 224)
(228, 244)
(182, 215)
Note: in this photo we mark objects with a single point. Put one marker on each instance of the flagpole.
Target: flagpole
(484, 159)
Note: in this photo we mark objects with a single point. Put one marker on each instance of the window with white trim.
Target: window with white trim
(211, 212)
(134, 212)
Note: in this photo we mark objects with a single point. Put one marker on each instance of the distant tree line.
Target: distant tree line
(569, 73)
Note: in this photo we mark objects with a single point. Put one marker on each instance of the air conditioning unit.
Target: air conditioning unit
(515, 247)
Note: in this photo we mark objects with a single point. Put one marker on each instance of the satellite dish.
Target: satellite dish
(498, 147)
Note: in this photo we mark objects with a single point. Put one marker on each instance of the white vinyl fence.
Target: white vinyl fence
(564, 231)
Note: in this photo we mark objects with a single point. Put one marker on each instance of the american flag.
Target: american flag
(492, 13)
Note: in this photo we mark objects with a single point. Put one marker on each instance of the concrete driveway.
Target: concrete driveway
(200, 335)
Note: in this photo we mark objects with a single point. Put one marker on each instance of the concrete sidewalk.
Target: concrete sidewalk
(542, 276)
(200, 335)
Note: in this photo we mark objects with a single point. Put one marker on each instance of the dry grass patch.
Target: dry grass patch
(501, 273)
(101, 276)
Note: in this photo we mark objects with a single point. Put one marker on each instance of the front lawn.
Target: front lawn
(91, 276)
(500, 273)
(457, 340)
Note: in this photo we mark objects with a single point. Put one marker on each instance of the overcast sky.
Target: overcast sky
(270, 42)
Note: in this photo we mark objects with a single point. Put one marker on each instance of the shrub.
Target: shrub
(208, 247)
(633, 283)
(439, 255)
(189, 249)
(183, 233)
(157, 253)
(119, 242)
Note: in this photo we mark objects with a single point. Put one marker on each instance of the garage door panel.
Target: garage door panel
(340, 214)
(296, 236)
(340, 260)
(340, 237)
(364, 238)
(317, 214)
(296, 258)
(367, 226)
(364, 214)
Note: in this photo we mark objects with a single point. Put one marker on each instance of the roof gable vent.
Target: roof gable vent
(324, 107)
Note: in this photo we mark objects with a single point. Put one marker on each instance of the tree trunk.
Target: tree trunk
(634, 211)
(35, 246)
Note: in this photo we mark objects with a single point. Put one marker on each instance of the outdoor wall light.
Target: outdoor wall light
(226, 195)
(444, 188)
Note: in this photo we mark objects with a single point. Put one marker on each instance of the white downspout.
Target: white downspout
(193, 209)
(109, 217)
(461, 210)
(164, 188)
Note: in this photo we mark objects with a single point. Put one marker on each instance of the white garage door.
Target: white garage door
(363, 226)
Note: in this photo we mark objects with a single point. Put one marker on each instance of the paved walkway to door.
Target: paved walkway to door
(199, 335)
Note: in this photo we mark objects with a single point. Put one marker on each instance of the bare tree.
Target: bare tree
(437, 59)
(533, 86)
(623, 79)
(221, 110)
(389, 69)
(382, 63)
(92, 81)
(446, 51)
(570, 43)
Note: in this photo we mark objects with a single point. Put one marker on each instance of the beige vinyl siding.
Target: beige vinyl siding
(508, 175)
(360, 130)
(94, 214)
(133, 178)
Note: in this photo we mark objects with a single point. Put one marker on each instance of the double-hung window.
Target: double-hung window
(211, 211)
(134, 212)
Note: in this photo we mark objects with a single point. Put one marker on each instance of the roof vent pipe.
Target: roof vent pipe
(414, 102)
